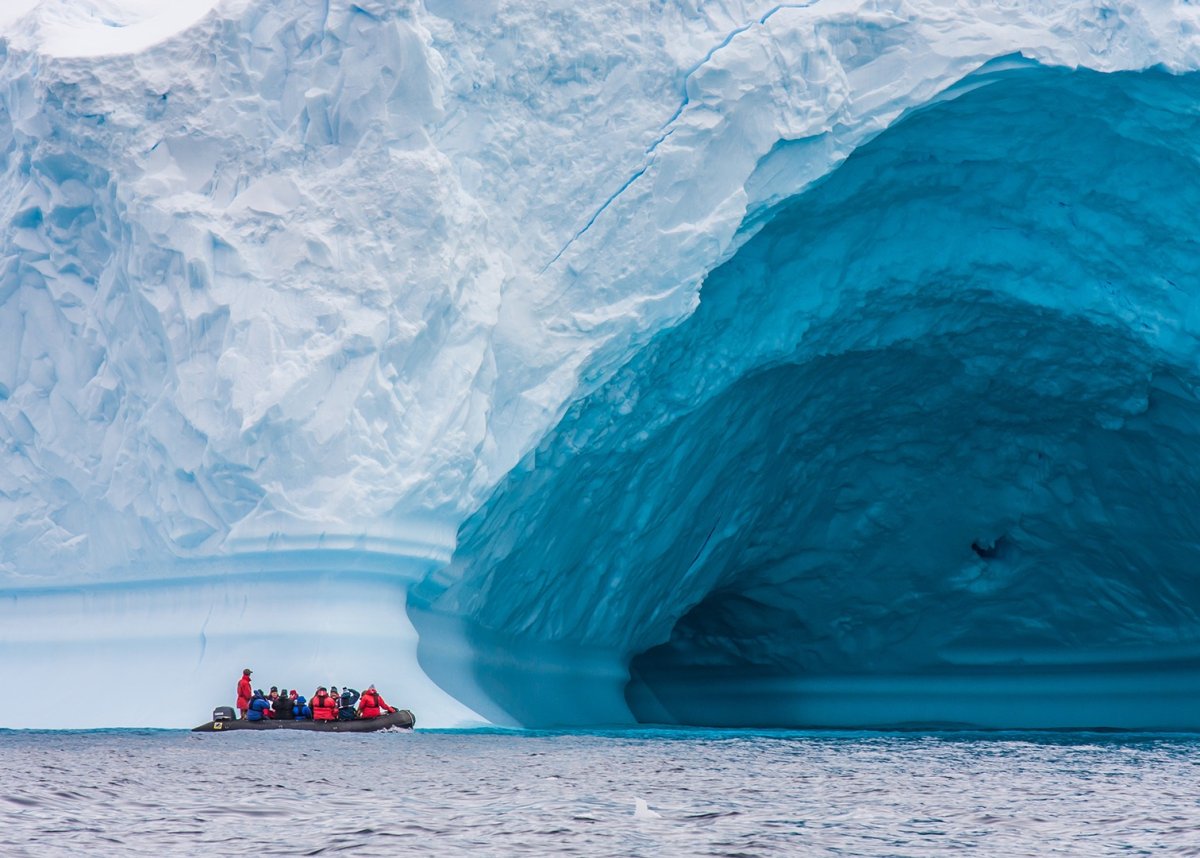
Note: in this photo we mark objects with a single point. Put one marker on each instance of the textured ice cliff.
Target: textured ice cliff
(291, 292)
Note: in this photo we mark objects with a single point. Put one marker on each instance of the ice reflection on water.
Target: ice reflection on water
(498, 793)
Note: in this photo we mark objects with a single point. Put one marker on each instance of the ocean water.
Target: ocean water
(644, 792)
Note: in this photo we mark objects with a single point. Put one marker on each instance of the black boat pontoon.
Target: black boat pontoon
(223, 721)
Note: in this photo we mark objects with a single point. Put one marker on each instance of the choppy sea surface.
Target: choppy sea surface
(647, 792)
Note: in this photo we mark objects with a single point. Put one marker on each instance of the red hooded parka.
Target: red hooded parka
(323, 707)
(244, 693)
(370, 704)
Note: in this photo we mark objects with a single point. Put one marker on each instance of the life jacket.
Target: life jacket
(301, 710)
(368, 705)
(323, 707)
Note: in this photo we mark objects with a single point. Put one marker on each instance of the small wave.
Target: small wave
(852, 796)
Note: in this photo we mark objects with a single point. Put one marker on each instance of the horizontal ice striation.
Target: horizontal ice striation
(925, 452)
(297, 618)
(279, 280)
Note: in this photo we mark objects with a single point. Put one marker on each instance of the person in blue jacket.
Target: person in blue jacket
(258, 705)
(349, 699)
(301, 711)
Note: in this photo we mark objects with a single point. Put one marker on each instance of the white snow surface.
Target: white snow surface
(318, 274)
(94, 28)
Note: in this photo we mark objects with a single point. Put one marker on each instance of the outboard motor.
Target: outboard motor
(223, 713)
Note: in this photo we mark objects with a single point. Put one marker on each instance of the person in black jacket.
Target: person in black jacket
(349, 700)
(283, 707)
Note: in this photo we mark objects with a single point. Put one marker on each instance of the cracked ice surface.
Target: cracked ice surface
(311, 276)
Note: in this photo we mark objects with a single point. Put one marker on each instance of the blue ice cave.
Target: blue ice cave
(927, 452)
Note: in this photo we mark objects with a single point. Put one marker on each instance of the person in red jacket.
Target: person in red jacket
(323, 706)
(244, 693)
(370, 704)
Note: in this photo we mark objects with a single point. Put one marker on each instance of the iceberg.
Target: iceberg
(753, 364)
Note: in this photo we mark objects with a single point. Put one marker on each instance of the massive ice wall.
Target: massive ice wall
(289, 291)
(924, 452)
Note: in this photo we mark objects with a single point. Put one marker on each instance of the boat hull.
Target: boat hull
(401, 718)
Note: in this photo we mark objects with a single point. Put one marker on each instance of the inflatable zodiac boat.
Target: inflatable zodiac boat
(223, 721)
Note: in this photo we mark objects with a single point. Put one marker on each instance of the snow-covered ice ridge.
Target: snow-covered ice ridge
(384, 303)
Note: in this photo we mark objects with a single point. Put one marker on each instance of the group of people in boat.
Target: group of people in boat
(326, 704)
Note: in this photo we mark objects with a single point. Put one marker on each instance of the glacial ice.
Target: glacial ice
(915, 446)
(740, 363)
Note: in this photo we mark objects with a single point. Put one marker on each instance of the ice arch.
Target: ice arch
(926, 452)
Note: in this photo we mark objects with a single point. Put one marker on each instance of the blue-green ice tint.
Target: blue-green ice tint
(927, 451)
